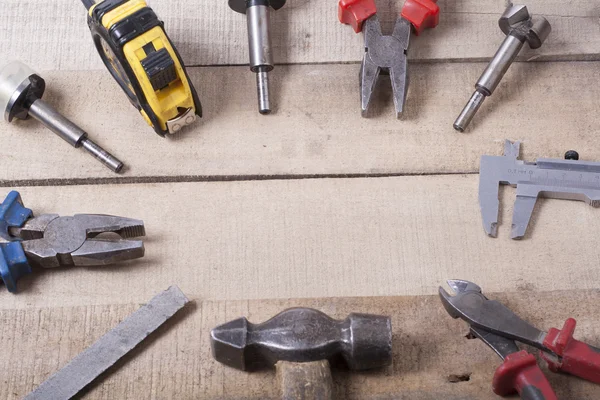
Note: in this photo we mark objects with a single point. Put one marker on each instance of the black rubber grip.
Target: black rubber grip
(88, 3)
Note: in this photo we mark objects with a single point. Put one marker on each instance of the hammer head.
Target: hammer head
(303, 335)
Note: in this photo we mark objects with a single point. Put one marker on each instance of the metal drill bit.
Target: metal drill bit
(259, 41)
(21, 90)
(520, 27)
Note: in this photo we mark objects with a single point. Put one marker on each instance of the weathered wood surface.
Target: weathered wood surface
(262, 235)
(317, 129)
(54, 35)
(315, 238)
(432, 358)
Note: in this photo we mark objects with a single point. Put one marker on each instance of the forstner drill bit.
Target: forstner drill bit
(519, 27)
(21, 91)
(259, 41)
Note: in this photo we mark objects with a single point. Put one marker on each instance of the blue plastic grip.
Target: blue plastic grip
(13, 262)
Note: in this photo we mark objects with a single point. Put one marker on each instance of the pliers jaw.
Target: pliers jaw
(387, 55)
(459, 287)
(51, 241)
(499, 328)
(470, 305)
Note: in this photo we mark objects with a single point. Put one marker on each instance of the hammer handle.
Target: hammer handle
(305, 381)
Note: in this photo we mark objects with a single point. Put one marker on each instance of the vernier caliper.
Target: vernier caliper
(568, 179)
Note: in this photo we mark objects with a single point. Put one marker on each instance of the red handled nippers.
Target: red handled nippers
(499, 328)
(387, 53)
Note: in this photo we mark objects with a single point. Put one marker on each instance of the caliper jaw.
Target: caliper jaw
(490, 178)
(552, 178)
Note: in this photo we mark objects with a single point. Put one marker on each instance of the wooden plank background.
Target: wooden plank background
(313, 202)
(430, 349)
(316, 238)
(317, 129)
(304, 31)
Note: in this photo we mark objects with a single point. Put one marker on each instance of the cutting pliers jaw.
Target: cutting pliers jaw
(459, 287)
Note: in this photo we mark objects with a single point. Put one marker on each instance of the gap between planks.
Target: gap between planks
(318, 130)
(206, 179)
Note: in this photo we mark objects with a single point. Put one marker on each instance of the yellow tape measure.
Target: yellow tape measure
(138, 53)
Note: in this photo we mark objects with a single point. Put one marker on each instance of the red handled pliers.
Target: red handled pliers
(499, 328)
(387, 54)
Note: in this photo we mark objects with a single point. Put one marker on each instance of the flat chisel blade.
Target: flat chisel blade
(107, 350)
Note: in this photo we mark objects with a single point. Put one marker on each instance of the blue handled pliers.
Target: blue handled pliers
(52, 241)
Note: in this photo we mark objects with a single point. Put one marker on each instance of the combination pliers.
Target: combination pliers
(500, 329)
(51, 241)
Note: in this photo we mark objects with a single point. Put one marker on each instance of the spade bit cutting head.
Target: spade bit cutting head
(517, 21)
(568, 179)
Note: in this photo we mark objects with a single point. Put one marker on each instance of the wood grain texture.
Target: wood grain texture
(305, 381)
(54, 35)
(315, 238)
(430, 349)
(317, 129)
(225, 242)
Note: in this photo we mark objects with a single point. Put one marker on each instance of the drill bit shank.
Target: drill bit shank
(71, 133)
(259, 43)
(519, 27)
(261, 56)
(21, 91)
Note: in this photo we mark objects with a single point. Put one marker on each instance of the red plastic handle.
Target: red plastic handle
(355, 12)
(421, 14)
(521, 374)
(576, 358)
